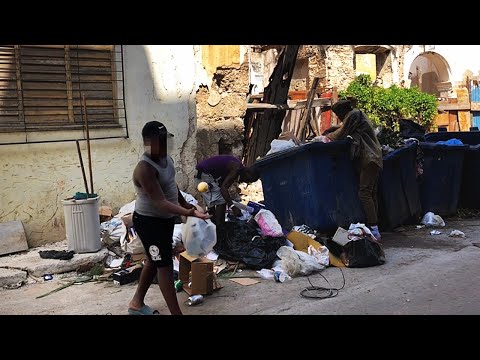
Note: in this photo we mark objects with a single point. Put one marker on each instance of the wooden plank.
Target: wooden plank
(13, 238)
(87, 86)
(44, 69)
(93, 78)
(77, 62)
(7, 94)
(41, 103)
(90, 55)
(47, 111)
(94, 94)
(41, 52)
(8, 85)
(9, 103)
(43, 62)
(93, 103)
(9, 119)
(453, 107)
(27, 85)
(475, 106)
(305, 120)
(268, 125)
(92, 47)
(45, 94)
(9, 112)
(83, 70)
(45, 118)
(44, 77)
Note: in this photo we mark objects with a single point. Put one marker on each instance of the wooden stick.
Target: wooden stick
(305, 120)
(83, 168)
(88, 143)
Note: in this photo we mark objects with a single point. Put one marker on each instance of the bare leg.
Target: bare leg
(165, 282)
(146, 277)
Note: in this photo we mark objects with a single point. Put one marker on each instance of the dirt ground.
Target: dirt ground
(424, 274)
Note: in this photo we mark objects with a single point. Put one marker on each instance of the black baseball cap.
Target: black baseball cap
(153, 128)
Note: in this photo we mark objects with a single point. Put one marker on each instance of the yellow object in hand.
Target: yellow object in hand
(202, 187)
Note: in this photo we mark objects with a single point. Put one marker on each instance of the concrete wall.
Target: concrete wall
(159, 85)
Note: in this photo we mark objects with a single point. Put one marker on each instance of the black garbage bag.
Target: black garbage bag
(364, 252)
(234, 242)
(410, 129)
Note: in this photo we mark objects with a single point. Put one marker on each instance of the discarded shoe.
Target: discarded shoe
(54, 254)
(144, 310)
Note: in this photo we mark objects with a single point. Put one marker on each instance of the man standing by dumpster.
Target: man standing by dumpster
(220, 172)
(158, 201)
(366, 154)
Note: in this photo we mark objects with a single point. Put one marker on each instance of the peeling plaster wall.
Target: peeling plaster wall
(159, 85)
(339, 61)
(221, 103)
(334, 65)
(310, 64)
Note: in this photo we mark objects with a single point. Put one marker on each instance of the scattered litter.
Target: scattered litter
(306, 230)
(212, 255)
(435, 232)
(266, 274)
(47, 277)
(420, 226)
(457, 233)
(115, 263)
(322, 254)
(55, 254)
(281, 276)
(195, 299)
(430, 219)
(245, 281)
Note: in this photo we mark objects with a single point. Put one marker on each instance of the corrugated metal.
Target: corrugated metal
(475, 91)
(476, 118)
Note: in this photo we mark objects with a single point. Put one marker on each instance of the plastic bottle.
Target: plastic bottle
(280, 276)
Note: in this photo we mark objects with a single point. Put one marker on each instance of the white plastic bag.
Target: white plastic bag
(113, 231)
(189, 198)
(430, 219)
(268, 223)
(279, 145)
(126, 209)
(177, 234)
(132, 243)
(321, 254)
(199, 236)
(297, 262)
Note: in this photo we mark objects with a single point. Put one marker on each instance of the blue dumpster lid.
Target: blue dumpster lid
(334, 146)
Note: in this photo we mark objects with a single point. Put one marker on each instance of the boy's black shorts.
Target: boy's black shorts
(156, 236)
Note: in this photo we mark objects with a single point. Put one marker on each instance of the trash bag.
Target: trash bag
(364, 252)
(297, 262)
(410, 129)
(268, 223)
(199, 236)
(235, 243)
(430, 219)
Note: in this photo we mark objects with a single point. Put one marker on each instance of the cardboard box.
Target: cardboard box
(341, 236)
(202, 274)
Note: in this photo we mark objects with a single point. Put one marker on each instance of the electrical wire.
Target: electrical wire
(320, 292)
